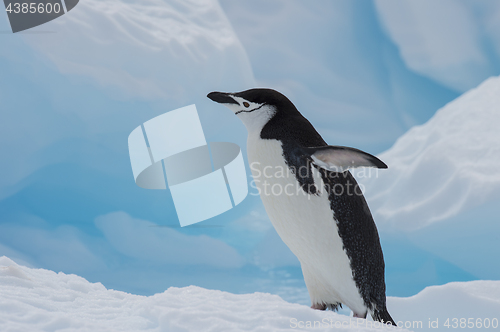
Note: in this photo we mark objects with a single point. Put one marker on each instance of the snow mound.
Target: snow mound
(476, 303)
(441, 168)
(42, 300)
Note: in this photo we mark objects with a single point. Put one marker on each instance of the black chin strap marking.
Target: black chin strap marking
(250, 110)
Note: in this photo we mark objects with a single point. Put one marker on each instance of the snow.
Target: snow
(461, 300)
(441, 191)
(42, 300)
(444, 167)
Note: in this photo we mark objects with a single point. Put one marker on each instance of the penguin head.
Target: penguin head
(254, 107)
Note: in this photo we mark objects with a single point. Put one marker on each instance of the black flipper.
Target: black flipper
(341, 158)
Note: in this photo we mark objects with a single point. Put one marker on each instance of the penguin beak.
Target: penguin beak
(222, 98)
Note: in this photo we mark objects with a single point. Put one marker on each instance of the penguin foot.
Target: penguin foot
(324, 306)
(334, 306)
(318, 306)
(358, 315)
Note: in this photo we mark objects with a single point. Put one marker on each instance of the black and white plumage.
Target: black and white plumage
(323, 218)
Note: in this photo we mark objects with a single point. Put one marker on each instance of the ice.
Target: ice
(97, 61)
(72, 90)
(335, 61)
(453, 42)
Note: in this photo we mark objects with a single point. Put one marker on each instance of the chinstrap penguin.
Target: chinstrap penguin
(317, 208)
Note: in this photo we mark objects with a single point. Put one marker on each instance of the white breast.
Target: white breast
(306, 224)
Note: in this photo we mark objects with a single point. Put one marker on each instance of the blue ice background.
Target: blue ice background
(65, 176)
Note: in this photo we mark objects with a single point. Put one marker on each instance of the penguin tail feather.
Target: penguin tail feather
(383, 316)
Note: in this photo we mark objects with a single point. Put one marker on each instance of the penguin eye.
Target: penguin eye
(246, 104)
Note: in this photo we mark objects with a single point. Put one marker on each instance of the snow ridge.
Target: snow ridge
(42, 300)
(444, 166)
